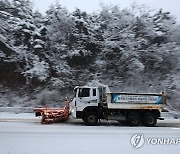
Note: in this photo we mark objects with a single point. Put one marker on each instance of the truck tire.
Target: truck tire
(133, 119)
(149, 119)
(91, 119)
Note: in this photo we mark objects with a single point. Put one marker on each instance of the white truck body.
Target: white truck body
(94, 103)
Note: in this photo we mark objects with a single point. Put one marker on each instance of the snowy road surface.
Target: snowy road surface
(23, 134)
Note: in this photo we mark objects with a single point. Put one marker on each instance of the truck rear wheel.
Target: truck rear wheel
(149, 119)
(133, 119)
(90, 119)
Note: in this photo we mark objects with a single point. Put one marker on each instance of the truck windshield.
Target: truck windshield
(84, 92)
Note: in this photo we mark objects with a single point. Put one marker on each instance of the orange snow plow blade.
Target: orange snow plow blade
(52, 115)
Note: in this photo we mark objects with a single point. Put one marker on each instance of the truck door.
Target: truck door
(86, 97)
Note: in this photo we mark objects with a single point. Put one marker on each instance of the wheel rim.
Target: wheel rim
(134, 120)
(92, 119)
(150, 120)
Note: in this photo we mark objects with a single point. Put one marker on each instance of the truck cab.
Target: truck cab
(87, 98)
(84, 97)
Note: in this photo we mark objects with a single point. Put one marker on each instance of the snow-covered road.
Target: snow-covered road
(23, 134)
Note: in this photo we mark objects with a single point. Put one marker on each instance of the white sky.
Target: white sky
(172, 6)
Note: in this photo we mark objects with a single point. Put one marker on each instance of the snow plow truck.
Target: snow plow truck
(92, 104)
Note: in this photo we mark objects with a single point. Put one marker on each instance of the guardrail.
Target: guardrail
(17, 109)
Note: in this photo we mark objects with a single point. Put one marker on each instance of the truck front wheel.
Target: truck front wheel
(90, 119)
(149, 119)
(133, 119)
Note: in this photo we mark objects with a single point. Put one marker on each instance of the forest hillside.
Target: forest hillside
(43, 57)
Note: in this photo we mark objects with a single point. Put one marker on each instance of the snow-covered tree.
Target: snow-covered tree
(59, 25)
(134, 49)
(22, 9)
